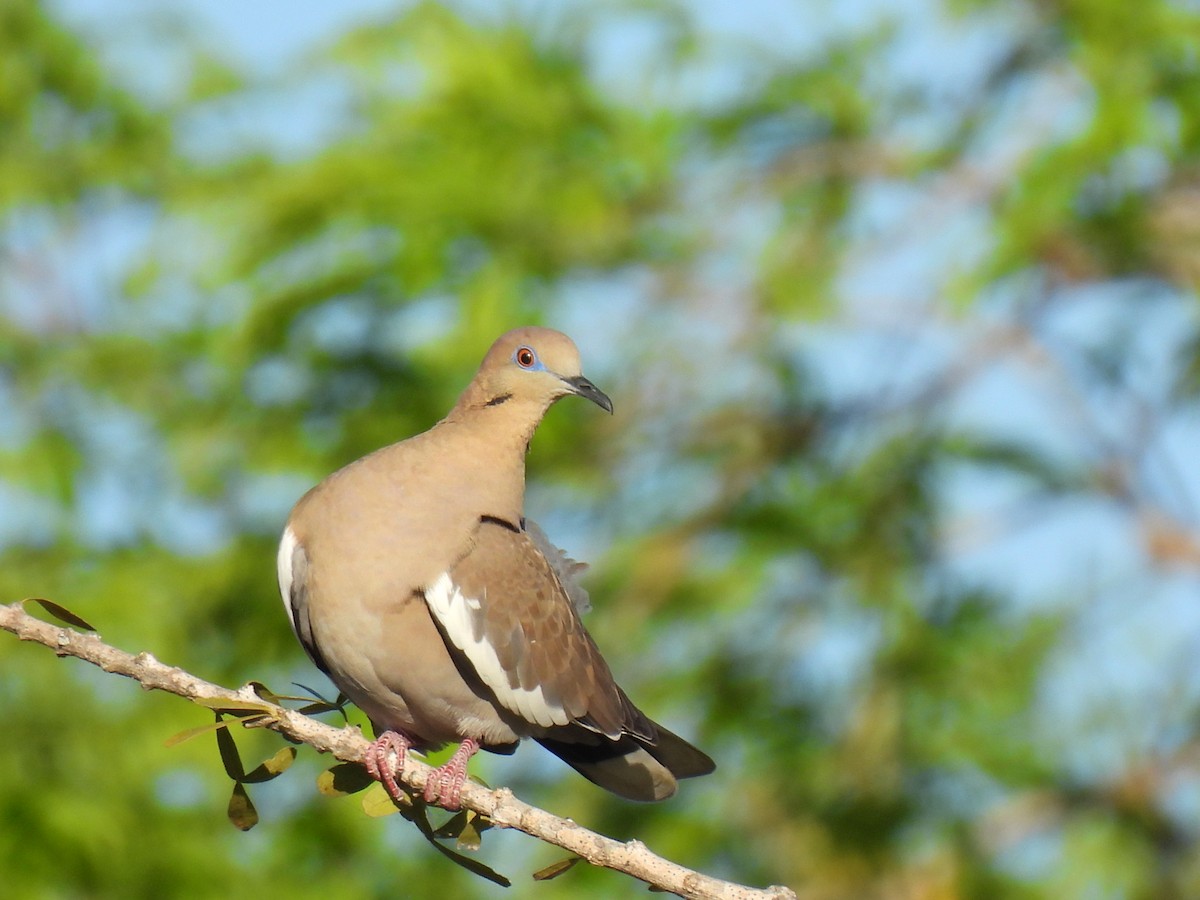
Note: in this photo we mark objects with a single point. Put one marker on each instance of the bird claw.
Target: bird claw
(379, 768)
(445, 784)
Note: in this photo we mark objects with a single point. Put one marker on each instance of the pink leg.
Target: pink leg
(445, 784)
(378, 767)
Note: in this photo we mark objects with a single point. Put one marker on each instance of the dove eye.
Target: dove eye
(525, 357)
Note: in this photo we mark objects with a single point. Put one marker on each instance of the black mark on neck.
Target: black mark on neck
(503, 523)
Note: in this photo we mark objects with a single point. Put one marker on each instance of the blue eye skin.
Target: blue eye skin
(525, 357)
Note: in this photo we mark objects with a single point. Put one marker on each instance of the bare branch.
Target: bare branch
(348, 744)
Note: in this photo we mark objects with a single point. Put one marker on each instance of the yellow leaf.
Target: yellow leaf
(230, 704)
(189, 733)
(469, 838)
(376, 802)
(272, 767)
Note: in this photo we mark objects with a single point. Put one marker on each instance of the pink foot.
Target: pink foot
(379, 768)
(445, 784)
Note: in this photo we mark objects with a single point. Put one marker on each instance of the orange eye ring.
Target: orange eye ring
(525, 357)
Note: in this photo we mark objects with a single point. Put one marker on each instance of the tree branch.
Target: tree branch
(348, 744)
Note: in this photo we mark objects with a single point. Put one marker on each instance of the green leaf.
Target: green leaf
(343, 779)
(59, 612)
(419, 816)
(278, 699)
(323, 705)
(341, 700)
(558, 868)
(229, 753)
(241, 810)
(472, 865)
(267, 694)
(271, 768)
(453, 826)
(466, 827)
(315, 709)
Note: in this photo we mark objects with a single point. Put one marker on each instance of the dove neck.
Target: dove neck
(504, 428)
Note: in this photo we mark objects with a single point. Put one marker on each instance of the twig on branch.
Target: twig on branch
(348, 745)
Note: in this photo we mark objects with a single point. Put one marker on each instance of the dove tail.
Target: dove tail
(633, 768)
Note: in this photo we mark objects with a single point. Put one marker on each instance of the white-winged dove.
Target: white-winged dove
(413, 580)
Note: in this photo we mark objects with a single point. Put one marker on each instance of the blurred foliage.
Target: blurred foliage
(196, 326)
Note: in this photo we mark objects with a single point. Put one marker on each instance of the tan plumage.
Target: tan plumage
(412, 579)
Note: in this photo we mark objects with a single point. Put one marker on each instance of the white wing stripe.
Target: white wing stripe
(454, 612)
(283, 565)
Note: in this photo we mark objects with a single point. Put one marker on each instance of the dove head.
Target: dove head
(532, 367)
